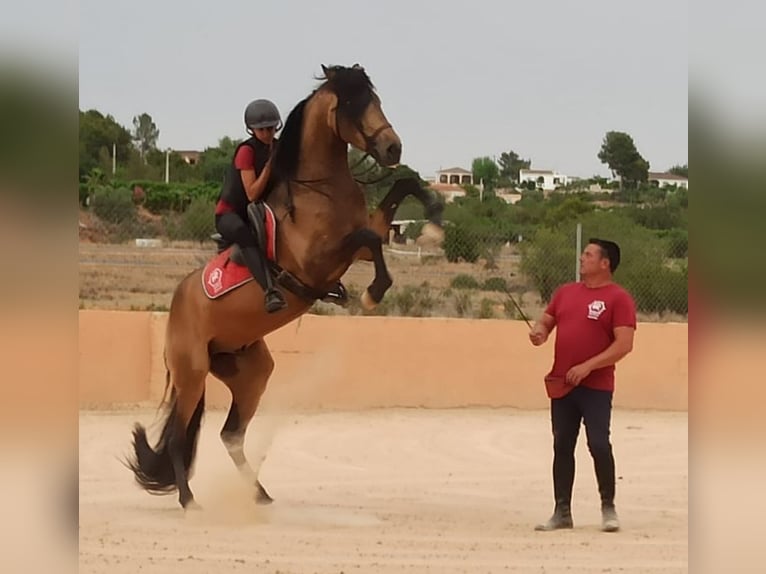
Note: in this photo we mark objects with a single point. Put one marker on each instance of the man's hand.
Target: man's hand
(538, 335)
(577, 373)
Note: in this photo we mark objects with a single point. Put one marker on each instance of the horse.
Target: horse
(322, 226)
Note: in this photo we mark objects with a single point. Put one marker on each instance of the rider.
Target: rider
(244, 183)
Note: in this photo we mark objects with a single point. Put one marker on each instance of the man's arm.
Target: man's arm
(542, 328)
(621, 346)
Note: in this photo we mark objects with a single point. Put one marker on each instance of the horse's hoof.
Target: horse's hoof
(367, 301)
(261, 496)
(432, 232)
(192, 506)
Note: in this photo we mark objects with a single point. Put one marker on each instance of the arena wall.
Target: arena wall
(325, 362)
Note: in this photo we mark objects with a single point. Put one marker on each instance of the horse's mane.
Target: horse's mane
(354, 90)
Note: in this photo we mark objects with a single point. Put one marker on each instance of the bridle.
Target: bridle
(369, 143)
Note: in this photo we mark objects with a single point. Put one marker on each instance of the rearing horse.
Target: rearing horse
(323, 227)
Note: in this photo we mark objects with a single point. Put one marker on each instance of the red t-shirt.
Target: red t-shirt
(244, 159)
(585, 321)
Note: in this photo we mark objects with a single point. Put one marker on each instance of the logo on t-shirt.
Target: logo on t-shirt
(595, 309)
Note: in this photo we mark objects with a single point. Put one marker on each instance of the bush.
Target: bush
(458, 244)
(486, 309)
(549, 261)
(498, 284)
(462, 303)
(677, 241)
(415, 301)
(164, 197)
(114, 205)
(414, 230)
(463, 281)
(197, 223)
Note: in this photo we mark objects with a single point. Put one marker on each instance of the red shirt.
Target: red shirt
(244, 159)
(585, 321)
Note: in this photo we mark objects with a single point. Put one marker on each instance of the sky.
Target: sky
(457, 80)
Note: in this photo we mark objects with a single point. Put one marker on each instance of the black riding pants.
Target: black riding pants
(594, 408)
(234, 229)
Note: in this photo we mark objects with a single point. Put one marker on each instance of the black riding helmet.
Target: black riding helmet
(262, 114)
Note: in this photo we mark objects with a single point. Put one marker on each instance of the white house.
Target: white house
(546, 179)
(454, 175)
(666, 179)
(449, 182)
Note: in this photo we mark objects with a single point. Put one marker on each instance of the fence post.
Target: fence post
(578, 251)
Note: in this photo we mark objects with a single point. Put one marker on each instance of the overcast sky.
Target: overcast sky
(458, 80)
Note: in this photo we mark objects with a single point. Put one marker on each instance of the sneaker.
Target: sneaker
(609, 520)
(562, 518)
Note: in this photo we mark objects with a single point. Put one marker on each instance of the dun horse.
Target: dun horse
(320, 226)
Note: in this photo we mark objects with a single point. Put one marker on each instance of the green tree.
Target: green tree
(619, 152)
(510, 163)
(214, 161)
(145, 134)
(682, 170)
(485, 171)
(97, 134)
(567, 209)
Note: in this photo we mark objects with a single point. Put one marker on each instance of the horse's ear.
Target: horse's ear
(328, 73)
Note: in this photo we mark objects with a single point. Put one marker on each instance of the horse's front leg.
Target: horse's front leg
(368, 240)
(381, 218)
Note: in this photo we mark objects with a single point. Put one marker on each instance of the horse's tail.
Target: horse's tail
(153, 467)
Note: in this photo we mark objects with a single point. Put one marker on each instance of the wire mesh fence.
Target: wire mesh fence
(136, 246)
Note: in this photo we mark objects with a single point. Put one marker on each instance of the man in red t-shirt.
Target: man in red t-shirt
(595, 321)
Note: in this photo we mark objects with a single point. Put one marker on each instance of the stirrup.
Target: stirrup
(337, 296)
(274, 301)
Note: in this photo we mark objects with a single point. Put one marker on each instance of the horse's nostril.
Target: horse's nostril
(394, 152)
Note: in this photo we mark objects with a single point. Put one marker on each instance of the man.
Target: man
(596, 320)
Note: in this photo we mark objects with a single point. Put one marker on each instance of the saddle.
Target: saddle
(263, 224)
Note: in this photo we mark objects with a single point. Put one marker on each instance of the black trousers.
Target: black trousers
(234, 229)
(594, 408)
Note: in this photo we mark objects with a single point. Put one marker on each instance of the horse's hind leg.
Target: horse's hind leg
(188, 374)
(166, 467)
(246, 373)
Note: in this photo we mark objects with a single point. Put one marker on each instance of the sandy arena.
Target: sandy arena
(387, 490)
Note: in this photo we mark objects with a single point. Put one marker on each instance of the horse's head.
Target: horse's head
(356, 114)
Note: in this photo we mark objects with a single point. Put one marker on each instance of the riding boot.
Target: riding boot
(561, 518)
(256, 262)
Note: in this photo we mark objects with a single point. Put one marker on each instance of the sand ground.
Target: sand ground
(394, 490)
